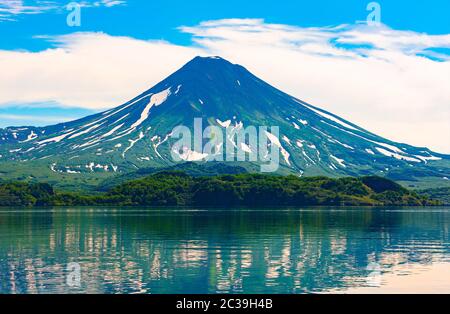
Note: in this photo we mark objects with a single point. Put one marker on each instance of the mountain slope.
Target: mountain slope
(137, 134)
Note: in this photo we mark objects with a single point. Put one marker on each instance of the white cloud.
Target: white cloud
(88, 70)
(385, 80)
(34, 118)
(383, 83)
(110, 3)
(9, 9)
(106, 3)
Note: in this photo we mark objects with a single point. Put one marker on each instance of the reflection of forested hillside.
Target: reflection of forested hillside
(201, 251)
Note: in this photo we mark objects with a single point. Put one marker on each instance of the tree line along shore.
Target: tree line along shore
(174, 188)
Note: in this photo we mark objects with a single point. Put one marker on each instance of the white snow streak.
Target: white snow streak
(339, 161)
(85, 131)
(274, 140)
(56, 139)
(395, 155)
(224, 124)
(287, 140)
(132, 143)
(189, 155)
(328, 116)
(30, 137)
(155, 100)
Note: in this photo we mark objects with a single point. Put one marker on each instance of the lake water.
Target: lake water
(315, 250)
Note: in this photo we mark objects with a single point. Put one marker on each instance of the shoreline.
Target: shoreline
(223, 209)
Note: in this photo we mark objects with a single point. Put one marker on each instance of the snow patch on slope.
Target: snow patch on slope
(341, 162)
(55, 139)
(391, 150)
(327, 116)
(132, 143)
(111, 132)
(190, 155)
(85, 131)
(30, 137)
(155, 100)
(155, 146)
(429, 158)
(275, 141)
(287, 140)
(224, 124)
(304, 122)
(395, 155)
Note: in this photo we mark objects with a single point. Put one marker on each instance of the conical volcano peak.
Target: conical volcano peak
(210, 64)
(207, 73)
(138, 134)
(209, 60)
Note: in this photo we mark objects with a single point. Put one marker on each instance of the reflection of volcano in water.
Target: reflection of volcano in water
(186, 252)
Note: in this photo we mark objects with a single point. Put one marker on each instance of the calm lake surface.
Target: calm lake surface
(317, 250)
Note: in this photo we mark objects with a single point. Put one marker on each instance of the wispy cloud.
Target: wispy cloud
(100, 3)
(394, 83)
(111, 3)
(10, 9)
(334, 41)
(30, 119)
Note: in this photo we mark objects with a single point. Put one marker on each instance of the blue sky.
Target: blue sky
(385, 78)
(159, 19)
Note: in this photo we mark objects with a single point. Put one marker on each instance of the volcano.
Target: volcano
(138, 133)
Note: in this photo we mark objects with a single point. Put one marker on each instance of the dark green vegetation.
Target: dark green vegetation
(24, 194)
(440, 194)
(194, 169)
(173, 188)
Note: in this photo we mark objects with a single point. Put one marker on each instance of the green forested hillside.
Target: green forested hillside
(441, 194)
(25, 194)
(194, 169)
(180, 189)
